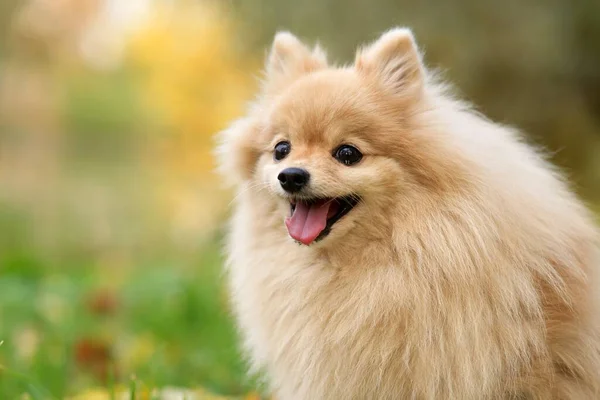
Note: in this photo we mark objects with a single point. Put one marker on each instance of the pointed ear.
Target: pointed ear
(395, 61)
(289, 59)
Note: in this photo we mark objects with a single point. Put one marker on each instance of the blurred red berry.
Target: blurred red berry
(103, 302)
(94, 356)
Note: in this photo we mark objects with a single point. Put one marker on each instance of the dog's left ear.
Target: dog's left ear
(394, 59)
(288, 60)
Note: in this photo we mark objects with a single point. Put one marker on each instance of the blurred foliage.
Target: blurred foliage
(109, 209)
(195, 86)
(100, 115)
(109, 260)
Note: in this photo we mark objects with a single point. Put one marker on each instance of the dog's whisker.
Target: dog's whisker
(254, 185)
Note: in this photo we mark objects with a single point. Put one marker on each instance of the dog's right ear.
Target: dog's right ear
(288, 60)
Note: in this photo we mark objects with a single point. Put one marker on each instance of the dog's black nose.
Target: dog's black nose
(293, 179)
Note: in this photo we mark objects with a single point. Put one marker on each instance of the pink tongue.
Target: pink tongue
(308, 221)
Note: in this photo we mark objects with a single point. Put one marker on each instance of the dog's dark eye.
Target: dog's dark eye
(282, 149)
(347, 154)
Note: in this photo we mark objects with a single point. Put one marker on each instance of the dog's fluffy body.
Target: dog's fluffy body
(465, 272)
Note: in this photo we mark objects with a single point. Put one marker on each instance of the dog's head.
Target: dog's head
(334, 147)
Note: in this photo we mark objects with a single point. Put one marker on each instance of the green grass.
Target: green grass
(170, 327)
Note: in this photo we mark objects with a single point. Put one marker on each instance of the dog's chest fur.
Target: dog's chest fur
(361, 331)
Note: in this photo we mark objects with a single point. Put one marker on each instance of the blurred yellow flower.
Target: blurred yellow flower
(26, 342)
(194, 82)
(167, 393)
(98, 394)
(52, 306)
(120, 393)
(137, 351)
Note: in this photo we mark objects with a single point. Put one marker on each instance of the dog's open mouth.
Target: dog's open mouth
(311, 219)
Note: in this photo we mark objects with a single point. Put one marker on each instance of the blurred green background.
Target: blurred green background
(110, 213)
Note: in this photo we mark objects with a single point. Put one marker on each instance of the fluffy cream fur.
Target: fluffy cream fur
(467, 271)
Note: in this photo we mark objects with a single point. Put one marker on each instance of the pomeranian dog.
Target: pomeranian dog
(388, 242)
